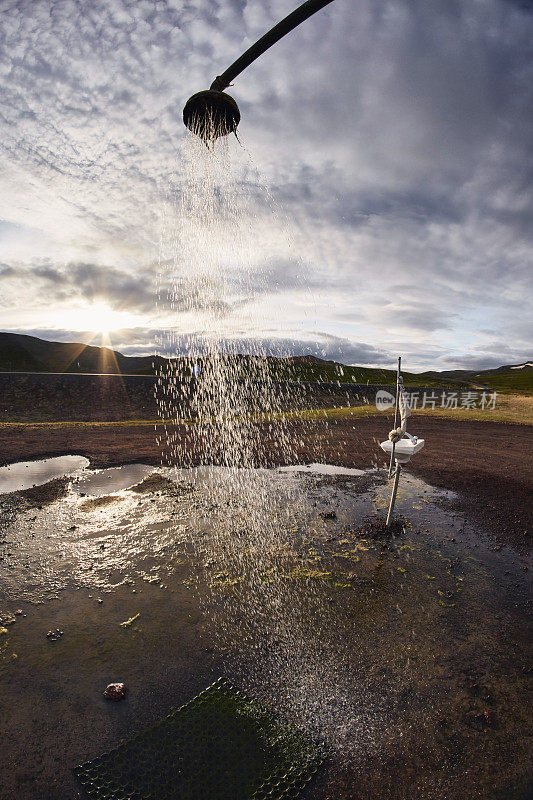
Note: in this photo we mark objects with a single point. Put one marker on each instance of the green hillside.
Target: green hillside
(310, 368)
(508, 381)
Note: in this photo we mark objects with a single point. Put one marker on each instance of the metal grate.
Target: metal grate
(219, 746)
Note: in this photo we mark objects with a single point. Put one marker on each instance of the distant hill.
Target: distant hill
(313, 369)
(21, 353)
(509, 379)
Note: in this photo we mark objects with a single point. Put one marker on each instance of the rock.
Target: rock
(115, 691)
(54, 635)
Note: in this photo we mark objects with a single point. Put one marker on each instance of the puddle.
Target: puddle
(26, 474)
(413, 494)
(115, 479)
(324, 469)
(406, 654)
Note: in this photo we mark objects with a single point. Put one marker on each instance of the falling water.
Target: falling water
(232, 414)
(210, 277)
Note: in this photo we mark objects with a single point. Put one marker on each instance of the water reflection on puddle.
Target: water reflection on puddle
(323, 469)
(26, 474)
(116, 479)
(95, 483)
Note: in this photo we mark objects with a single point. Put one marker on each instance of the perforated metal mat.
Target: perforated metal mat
(219, 746)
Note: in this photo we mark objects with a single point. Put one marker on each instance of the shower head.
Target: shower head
(214, 113)
(210, 114)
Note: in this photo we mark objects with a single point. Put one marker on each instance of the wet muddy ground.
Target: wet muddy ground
(408, 654)
(489, 464)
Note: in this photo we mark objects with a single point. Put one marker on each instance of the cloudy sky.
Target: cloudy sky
(380, 202)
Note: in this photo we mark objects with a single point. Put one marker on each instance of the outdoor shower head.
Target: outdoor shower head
(210, 114)
(214, 113)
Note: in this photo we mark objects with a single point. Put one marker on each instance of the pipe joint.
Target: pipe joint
(218, 84)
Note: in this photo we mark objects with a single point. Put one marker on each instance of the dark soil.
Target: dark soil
(39, 496)
(489, 464)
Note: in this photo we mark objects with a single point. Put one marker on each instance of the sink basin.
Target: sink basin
(404, 449)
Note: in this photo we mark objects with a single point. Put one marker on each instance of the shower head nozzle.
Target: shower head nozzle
(210, 114)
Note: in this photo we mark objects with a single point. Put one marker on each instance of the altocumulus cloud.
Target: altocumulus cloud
(394, 135)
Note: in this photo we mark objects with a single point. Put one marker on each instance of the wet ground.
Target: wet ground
(407, 654)
(489, 464)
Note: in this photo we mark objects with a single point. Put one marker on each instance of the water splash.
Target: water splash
(232, 409)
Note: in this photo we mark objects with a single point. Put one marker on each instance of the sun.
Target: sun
(103, 318)
(97, 318)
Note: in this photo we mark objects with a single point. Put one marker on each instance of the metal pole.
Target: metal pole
(393, 495)
(286, 25)
(395, 413)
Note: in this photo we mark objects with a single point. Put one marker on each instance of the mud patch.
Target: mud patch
(46, 494)
(375, 527)
(97, 502)
(154, 483)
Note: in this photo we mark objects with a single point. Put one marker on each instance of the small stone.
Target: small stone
(115, 691)
(54, 635)
(18, 612)
(100, 600)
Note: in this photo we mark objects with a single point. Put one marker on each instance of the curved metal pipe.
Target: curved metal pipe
(276, 33)
(213, 113)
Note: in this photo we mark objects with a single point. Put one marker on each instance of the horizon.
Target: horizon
(199, 357)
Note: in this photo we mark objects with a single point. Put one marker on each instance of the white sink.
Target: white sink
(404, 449)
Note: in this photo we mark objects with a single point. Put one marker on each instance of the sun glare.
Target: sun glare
(103, 319)
(98, 318)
